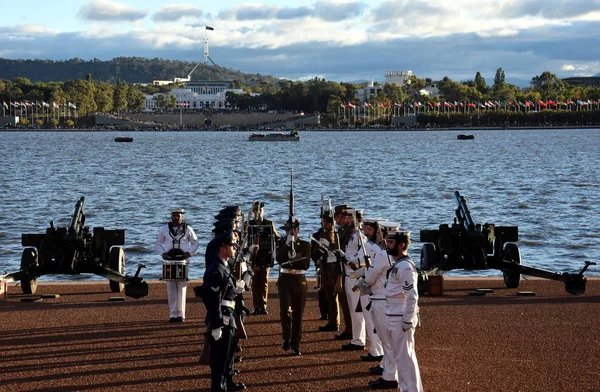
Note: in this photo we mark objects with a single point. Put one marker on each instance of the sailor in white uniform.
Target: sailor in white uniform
(354, 260)
(177, 242)
(375, 278)
(370, 230)
(402, 310)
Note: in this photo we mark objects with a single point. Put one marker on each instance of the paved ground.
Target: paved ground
(500, 342)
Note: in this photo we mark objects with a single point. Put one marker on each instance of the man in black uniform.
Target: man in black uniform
(262, 235)
(293, 256)
(345, 232)
(219, 298)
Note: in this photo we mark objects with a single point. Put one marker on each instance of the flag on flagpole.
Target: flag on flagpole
(209, 28)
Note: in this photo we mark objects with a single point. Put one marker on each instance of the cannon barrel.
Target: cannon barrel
(78, 218)
(462, 212)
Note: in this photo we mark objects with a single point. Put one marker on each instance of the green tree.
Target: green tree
(136, 99)
(120, 96)
(103, 96)
(78, 93)
(413, 86)
(480, 84)
(549, 86)
(499, 79)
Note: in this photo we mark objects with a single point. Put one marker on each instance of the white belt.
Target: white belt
(292, 271)
(229, 304)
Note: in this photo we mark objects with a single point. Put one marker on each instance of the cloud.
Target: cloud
(330, 11)
(406, 11)
(354, 43)
(336, 11)
(549, 9)
(106, 10)
(293, 13)
(175, 12)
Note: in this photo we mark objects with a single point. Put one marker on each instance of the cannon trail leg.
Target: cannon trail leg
(29, 259)
(116, 262)
(513, 255)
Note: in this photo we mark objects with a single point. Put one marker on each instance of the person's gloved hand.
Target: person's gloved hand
(289, 239)
(253, 248)
(359, 272)
(324, 242)
(341, 256)
(217, 333)
(240, 286)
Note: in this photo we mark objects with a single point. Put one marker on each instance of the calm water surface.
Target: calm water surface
(544, 181)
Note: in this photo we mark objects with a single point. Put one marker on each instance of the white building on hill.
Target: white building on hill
(398, 77)
(370, 90)
(197, 95)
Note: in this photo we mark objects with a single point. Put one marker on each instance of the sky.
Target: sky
(339, 40)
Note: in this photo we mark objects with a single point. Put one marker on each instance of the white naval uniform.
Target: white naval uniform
(375, 346)
(354, 254)
(187, 242)
(375, 277)
(401, 297)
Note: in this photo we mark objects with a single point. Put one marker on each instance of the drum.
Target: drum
(174, 271)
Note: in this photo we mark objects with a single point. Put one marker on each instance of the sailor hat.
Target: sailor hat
(352, 211)
(373, 221)
(389, 226)
(178, 211)
(398, 234)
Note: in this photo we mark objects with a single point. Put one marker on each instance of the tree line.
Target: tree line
(127, 69)
(92, 94)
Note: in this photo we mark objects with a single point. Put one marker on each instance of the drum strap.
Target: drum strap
(173, 234)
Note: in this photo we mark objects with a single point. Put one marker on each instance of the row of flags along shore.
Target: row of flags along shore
(448, 106)
(42, 104)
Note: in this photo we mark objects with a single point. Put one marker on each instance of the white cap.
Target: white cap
(387, 225)
(178, 211)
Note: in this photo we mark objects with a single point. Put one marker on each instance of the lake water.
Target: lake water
(544, 181)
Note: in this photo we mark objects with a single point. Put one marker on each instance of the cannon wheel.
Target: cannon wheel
(428, 257)
(512, 254)
(29, 258)
(116, 262)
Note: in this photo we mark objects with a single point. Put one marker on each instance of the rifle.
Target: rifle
(291, 218)
(241, 330)
(338, 281)
(361, 244)
(204, 358)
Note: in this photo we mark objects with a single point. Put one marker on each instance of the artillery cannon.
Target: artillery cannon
(470, 246)
(74, 250)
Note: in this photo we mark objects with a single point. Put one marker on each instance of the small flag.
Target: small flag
(209, 28)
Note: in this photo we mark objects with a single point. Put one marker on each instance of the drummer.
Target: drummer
(176, 243)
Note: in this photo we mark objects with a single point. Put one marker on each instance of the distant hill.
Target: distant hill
(127, 69)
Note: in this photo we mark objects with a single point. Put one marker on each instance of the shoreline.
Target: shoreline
(81, 341)
(175, 129)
